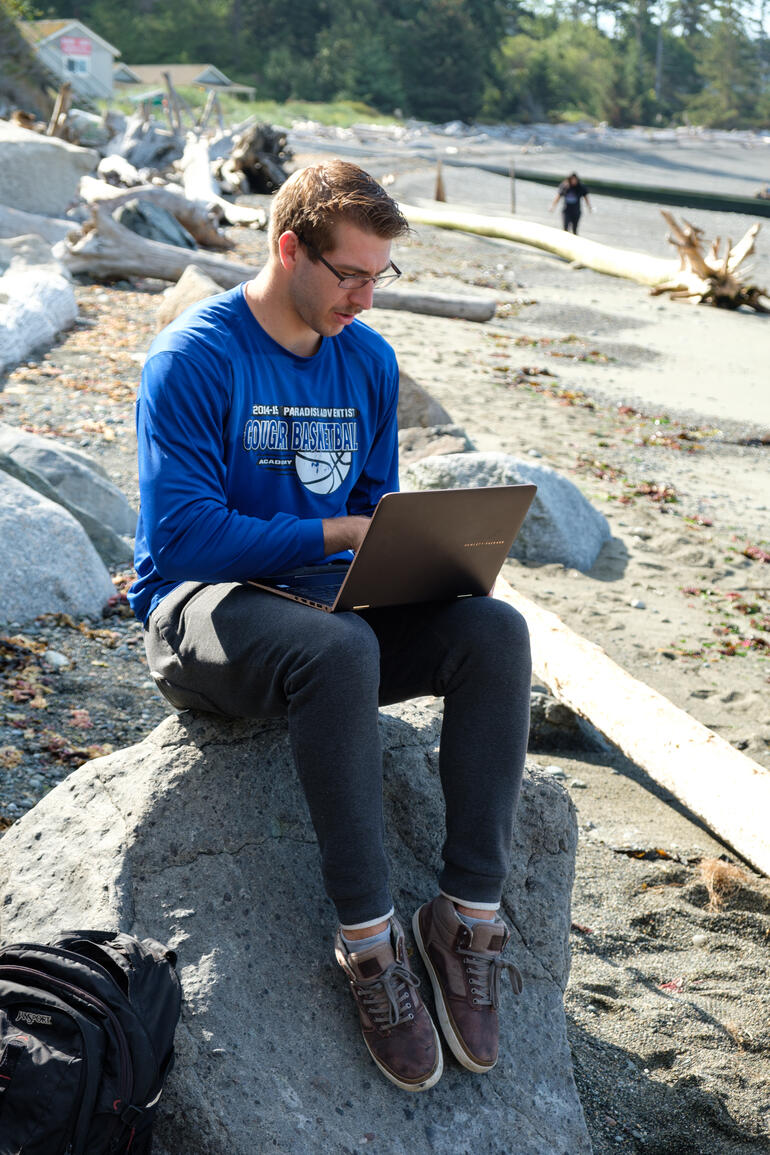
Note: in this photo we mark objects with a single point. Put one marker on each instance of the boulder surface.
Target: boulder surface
(40, 174)
(48, 563)
(561, 526)
(77, 478)
(199, 836)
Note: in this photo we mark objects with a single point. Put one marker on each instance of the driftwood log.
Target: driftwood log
(199, 185)
(200, 220)
(106, 249)
(703, 279)
(707, 277)
(729, 791)
(16, 223)
(436, 304)
(258, 155)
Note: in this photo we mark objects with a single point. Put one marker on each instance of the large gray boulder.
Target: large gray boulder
(199, 836)
(40, 174)
(561, 526)
(417, 407)
(77, 478)
(48, 563)
(36, 303)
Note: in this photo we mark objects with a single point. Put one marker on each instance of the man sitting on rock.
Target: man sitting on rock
(267, 433)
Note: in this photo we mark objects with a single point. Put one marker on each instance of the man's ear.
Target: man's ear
(288, 247)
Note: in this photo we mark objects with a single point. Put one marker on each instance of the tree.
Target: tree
(443, 60)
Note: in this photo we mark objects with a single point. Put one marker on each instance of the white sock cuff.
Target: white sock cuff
(366, 925)
(471, 903)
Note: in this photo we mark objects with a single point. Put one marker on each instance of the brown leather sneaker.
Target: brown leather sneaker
(397, 1029)
(465, 965)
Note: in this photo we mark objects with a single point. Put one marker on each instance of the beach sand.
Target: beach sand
(656, 411)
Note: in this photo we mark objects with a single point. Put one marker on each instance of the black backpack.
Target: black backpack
(86, 1042)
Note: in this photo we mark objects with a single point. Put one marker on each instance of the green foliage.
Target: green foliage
(570, 74)
(342, 113)
(623, 61)
(442, 61)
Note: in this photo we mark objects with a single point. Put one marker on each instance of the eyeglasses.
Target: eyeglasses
(352, 280)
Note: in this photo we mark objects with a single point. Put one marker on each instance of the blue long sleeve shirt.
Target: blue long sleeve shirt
(245, 447)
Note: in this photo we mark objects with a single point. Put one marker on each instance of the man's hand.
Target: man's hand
(343, 533)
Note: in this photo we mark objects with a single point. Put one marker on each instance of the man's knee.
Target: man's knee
(348, 652)
(499, 638)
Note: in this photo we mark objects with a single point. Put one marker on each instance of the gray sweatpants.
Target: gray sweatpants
(234, 650)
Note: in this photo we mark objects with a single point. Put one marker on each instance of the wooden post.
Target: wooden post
(61, 108)
(439, 194)
(211, 96)
(729, 791)
(513, 189)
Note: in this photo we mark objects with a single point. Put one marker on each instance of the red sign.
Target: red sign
(75, 46)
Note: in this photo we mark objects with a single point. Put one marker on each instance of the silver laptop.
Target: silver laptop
(433, 545)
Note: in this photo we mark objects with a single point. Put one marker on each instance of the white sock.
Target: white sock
(357, 944)
(471, 919)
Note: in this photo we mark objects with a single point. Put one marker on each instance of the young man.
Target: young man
(267, 433)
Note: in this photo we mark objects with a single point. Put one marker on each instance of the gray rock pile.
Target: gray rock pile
(62, 521)
(199, 836)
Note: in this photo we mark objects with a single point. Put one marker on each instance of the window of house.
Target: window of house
(77, 64)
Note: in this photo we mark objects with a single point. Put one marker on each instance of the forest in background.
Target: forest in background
(625, 62)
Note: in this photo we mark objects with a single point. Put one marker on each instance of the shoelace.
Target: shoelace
(388, 998)
(484, 975)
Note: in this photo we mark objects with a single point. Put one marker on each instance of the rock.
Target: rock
(561, 526)
(199, 835)
(112, 549)
(48, 563)
(194, 285)
(417, 407)
(36, 303)
(554, 726)
(40, 174)
(156, 224)
(22, 250)
(76, 478)
(416, 443)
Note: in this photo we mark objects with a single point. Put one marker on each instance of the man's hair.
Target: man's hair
(317, 198)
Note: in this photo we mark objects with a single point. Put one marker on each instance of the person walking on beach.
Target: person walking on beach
(240, 397)
(571, 191)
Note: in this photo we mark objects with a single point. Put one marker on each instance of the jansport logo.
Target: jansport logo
(473, 544)
(32, 1018)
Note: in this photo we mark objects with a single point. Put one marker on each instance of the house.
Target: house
(72, 51)
(151, 78)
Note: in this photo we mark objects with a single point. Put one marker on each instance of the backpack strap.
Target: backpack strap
(9, 1058)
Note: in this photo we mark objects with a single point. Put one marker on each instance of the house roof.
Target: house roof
(182, 75)
(39, 32)
(122, 74)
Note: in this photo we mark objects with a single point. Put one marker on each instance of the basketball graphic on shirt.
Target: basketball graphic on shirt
(322, 471)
